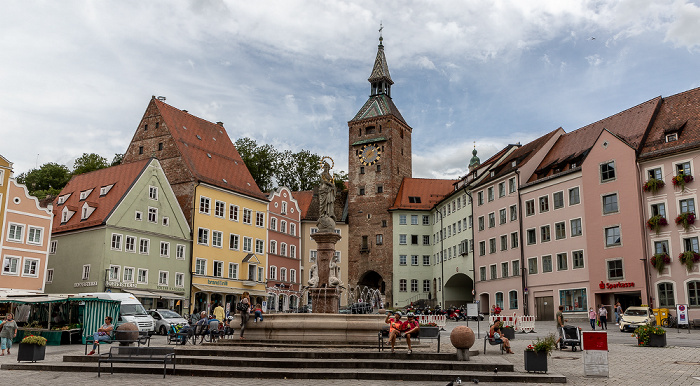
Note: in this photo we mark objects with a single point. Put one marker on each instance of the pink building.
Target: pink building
(581, 223)
(26, 236)
(498, 256)
(671, 149)
(284, 251)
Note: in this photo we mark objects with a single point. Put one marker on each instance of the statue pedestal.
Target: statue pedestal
(324, 297)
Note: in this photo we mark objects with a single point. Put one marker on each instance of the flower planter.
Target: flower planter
(31, 352)
(657, 340)
(535, 361)
(508, 332)
(428, 332)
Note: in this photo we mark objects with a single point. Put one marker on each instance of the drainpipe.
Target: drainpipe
(523, 270)
(645, 247)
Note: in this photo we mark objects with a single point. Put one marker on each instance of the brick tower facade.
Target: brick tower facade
(379, 159)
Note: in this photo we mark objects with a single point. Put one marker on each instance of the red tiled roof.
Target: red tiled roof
(430, 191)
(678, 113)
(629, 125)
(122, 176)
(208, 151)
(303, 198)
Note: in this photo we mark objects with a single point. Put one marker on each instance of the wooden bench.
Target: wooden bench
(493, 342)
(143, 339)
(164, 355)
(425, 333)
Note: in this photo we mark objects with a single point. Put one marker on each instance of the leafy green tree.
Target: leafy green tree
(88, 163)
(260, 161)
(298, 171)
(340, 178)
(50, 178)
(117, 160)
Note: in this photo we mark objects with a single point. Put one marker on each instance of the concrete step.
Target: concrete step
(310, 363)
(414, 375)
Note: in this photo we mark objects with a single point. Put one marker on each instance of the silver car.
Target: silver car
(166, 318)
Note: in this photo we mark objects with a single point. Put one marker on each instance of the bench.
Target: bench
(492, 341)
(143, 339)
(424, 333)
(164, 355)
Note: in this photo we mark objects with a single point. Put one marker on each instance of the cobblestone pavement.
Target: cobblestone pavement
(676, 364)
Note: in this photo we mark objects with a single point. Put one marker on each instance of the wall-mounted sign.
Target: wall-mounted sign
(619, 284)
(217, 282)
(85, 284)
(118, 284)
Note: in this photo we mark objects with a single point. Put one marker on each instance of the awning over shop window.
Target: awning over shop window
(156, 294)
(226, 290)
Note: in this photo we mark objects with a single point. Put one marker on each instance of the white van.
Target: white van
(131, 310)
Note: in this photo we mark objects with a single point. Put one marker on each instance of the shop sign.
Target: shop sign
(619, 284)
(120, 285)
(179, 290)
(85, 284)
(217, 282)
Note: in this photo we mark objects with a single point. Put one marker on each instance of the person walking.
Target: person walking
(219, 312)
(618, 313)
(592, 317)
(244, 310)
(560, 324)
(8, 333)
(603, 317)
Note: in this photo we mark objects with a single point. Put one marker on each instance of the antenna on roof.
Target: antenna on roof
(161, 98)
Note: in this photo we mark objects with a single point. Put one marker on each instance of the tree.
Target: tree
(50, 178)
(88, 163)
(117, 160)
(340, 179)
(260, 161)
(298, 171)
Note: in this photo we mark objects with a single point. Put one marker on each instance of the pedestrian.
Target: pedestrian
(103, 333)
(591, 316)
(219, 312)
(244, 310)
(618, 313)
(603, 317)
(493, 310)
(258, 313)
(8, 333)
(560, 324)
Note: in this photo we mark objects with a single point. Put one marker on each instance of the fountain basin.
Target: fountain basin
(331, 328)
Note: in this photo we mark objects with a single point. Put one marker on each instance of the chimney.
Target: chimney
(220, 123)
(184, 111)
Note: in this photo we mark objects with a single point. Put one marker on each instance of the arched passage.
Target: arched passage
(458, 290)
(484, 303)
(373, 280)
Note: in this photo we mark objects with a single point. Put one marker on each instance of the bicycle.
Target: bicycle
(670, 321)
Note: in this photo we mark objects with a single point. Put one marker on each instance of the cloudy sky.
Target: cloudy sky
(76, 76)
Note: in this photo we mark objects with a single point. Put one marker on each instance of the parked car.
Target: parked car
(634, 317)
(166, 318)
(130, 311)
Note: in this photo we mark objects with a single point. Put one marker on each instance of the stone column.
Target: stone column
(324, 297)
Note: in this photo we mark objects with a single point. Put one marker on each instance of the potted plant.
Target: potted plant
(686, 220)
(536, 353)
(680, 180)
(31, 349)
(429, 329)
(656, 222)
(660, 260)
(689, 258)
(653, 185)
(650, 336)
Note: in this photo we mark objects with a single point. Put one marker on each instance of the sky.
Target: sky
(76, 76)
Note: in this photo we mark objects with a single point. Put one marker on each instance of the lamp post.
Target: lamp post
(442, 262)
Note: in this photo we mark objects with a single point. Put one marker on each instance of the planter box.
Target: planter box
(508, 332)
(535, 361)
(656, 340)
(30, 352)
(429, 332)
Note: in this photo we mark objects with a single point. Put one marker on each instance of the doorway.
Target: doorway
(544, 308)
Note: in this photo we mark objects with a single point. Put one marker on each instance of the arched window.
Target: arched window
(273, 247)
(694, 293)
(293, 275)
(513, 299)
(283, 274)
(281, 305)
(666, 296)
(414, 285)
(402, 285)
(293, 302)
(293, 251)
(273, 273)
(273, 224)
(499, 299)
(283, 249)
(283, 226)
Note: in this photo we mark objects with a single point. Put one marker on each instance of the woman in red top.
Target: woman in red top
(410, 328)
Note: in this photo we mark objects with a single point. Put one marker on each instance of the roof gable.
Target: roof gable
(679, 114)
(421, 193)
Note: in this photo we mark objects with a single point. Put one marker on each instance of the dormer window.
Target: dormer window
(84, 194)
(86, 211)
(105, 189)
(573, 165)
(672, 137)
(66, 214)
(492, 173)
(62, 199)
(512, 164)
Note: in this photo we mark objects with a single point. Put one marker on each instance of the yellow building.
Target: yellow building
(228, 248)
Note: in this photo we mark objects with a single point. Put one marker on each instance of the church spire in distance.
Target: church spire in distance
(380, 79)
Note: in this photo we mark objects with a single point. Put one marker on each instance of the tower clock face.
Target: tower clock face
(369, 154)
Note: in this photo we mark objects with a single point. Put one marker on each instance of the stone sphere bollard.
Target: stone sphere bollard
(127, 331)
(462, 338)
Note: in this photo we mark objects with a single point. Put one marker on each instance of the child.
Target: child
(258, 313)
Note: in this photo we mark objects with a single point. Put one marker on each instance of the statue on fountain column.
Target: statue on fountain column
(326, 199)
(313, 273)
(334, 275)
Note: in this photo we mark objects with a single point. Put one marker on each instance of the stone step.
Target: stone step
(387, 363)
(271, 343)
(413, 375)
(317, 355)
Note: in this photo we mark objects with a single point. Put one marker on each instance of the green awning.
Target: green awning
(370, 140)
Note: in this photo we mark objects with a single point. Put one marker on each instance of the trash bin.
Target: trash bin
(661, 314)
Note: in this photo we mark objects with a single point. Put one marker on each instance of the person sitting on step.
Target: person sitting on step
(410, 328)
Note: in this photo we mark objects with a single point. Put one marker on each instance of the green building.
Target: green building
(121, 229)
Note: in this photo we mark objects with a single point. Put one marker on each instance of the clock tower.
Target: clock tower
(379, 159)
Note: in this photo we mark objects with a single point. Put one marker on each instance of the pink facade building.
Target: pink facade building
(26, 239)
(284, 251)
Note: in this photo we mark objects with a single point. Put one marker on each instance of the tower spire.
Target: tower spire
(380, 79)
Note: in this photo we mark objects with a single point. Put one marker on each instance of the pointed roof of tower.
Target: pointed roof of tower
(380, 71)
